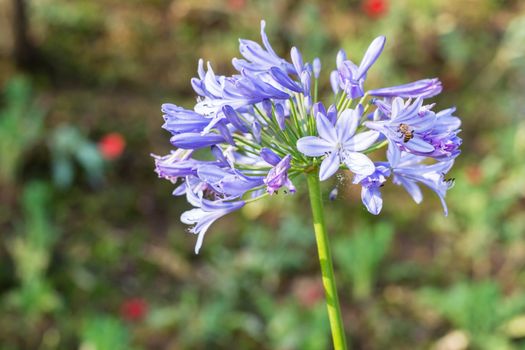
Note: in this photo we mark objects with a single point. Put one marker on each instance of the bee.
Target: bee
(407, 133)
(451, 181)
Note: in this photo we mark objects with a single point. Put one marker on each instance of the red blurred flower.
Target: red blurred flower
(134, 309)
(308, 291)
(375, 8)
(111, 146)
(474, 174)
(236, 5)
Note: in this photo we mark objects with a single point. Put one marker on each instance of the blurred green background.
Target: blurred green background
(92, 253)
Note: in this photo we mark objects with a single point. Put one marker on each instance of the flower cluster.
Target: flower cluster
(265, 126)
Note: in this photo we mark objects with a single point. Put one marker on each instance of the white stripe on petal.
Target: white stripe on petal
(359, 163)
(325, 129)
(329, 166)
(313, 146)
(347, 124)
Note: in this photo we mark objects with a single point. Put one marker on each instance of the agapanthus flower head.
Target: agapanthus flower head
(265, 126)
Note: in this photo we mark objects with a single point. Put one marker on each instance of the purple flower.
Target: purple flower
(191, 140)
(333, 194)
(277, 176)
(352, 77)
(205, 213)
(424, 88)
(407, 125)
(297, 60)
(370, 190)
(306, 82)
(334, 81)
(284, 80)
(179, 120)
(408, 172)
(195, 185)
(256, 131)
(340, 144)
(237, 91)
(176, 164)
(228, 182)
(331, 113)
(443, 135)
(280, 116)
(233, 118)
(179, 165)
(270, 156)
(316, 67)
(258, 121)
(259, 60)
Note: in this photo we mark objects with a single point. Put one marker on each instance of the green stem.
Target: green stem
(325, 259)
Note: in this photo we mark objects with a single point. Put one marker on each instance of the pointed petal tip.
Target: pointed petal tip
(373, 211)
(372, 200)
(380, 41)
(371, 55)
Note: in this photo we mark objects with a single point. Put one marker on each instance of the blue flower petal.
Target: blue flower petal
(424, 88)
(371, 197)
(361, 141)
(325, 129)
(418, 145)
(347, 123)
(313, 146)
(358, 163)
(329, 166)
(371, 55)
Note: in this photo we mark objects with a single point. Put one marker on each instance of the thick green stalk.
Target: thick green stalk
(325, 259)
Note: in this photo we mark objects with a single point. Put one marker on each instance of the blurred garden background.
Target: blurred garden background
(92, 253)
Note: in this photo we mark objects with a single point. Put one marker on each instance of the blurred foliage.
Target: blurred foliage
(84, 238)
(359, 256)
(20, 126)
(105, 333)
(31, 250)
(478, 308)
(68, 145)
